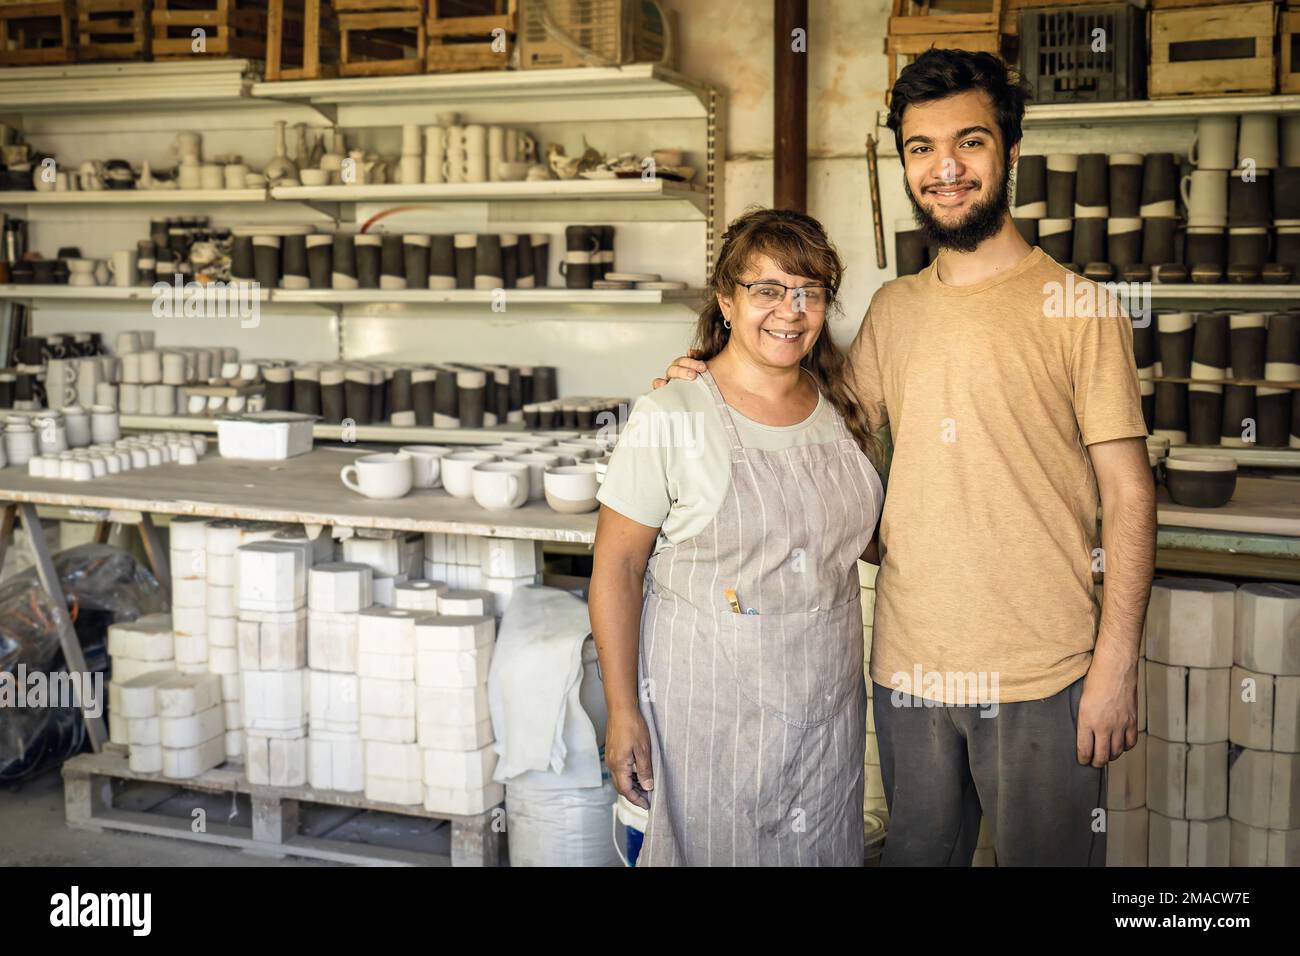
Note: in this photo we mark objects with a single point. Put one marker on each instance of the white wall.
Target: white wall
(729, 43)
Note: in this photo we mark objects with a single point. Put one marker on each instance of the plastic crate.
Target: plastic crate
(1058, 61)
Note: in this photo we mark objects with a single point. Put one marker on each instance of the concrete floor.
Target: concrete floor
(31, 818)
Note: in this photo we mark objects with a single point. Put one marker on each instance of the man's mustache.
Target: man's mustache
(935, 187)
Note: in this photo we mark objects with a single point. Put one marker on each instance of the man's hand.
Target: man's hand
(1108, 708)
(685, 366)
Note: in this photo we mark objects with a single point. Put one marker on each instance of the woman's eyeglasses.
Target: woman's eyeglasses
(808, 298)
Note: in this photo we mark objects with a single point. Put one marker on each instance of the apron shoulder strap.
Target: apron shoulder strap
(724, 412)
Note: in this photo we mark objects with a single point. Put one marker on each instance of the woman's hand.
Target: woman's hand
(627, 755)
(684, 366)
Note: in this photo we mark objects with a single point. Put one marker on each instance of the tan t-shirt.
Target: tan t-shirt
(992, 393)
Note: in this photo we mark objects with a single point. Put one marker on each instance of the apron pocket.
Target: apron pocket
(803, 666)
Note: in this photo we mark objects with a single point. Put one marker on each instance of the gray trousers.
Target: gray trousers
(943, 766)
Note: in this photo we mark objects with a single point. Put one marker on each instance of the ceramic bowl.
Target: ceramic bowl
(1201, 481)
(314, 177)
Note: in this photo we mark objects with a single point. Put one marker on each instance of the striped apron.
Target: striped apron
(758, 721)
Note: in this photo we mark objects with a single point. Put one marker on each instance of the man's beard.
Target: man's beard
(981, 222)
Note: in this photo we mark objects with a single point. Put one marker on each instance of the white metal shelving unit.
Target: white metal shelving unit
(137, 107)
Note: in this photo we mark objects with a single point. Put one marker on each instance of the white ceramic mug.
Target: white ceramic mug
(500, 485)
(571, 489)
(457, 469)
(235, 175)
(150, 367)
(386, 475)
(173, 368)
(104, 425)
(425, 461)
(212, 176)
(538, 462)
(1215, 145)
(164, 399)
(1205, 193)
(90, 373)
(125, 342)
(1257, 140)
(123, 269)
(128, 398)
(189, 176)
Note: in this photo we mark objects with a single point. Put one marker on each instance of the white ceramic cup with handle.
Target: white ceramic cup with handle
(457, 469)
(426, 462)
(500, 485)
(385, 475)
(537, 462)
(571, 489)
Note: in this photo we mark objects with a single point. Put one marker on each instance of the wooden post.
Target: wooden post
(790, 107)
(96, 729)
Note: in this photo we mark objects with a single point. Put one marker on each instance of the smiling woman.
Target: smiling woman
(724, 593)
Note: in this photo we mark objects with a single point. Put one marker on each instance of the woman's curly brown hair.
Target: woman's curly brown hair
(799, 245)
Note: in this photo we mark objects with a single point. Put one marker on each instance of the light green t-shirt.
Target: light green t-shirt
(672, 466)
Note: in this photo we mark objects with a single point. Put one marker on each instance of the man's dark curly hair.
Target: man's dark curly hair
(936, 74)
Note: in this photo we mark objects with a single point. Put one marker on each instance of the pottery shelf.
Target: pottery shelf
(655, 189)
(1146, 111)
(561, 189)
(322, 432)
(130, 197)
(367, 297)
(525, 88)
(1257, 293)
(1245, 457)
(101, 293)
(96, 87)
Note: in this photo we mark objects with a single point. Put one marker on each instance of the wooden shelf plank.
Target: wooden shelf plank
(302, 490)
(130, 197)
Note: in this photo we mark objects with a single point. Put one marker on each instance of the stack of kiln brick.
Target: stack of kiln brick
(336, 594)
(1264, 720)
(272, 632)
(1188, 648)
(188, 567)
(1221, 672)
(175, 723)
(135, 648)
(392, 560)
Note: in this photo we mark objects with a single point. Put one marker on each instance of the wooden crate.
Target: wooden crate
(464, 43)
(113, 30)
(231, 28)
(1288, 72)
(1213, 50)
(302, 40)
(913, 30)
(33, 34)
(381, 37)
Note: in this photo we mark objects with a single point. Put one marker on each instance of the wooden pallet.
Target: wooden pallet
(302, 40)
(458, 44)
(1240, 60)
(36, 34)
(913, 30)
(381, 37)
(101, 792)
(230, 28)
(113, 30)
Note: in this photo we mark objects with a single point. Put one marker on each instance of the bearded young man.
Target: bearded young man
(1009, 421)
